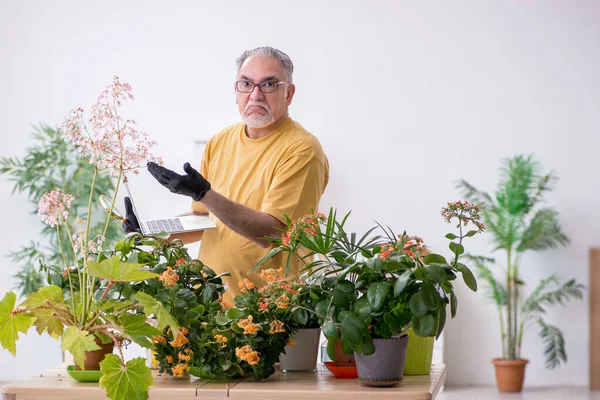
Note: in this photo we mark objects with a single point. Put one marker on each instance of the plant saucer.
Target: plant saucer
(346, 371)
(84, 376)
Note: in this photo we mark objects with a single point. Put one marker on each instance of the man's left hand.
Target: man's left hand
(191, 184)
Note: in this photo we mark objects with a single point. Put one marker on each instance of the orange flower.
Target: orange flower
(184, 357)
(276, 327)
(159, 339)
(291, 342)
(169, 277)
(221, 339)
(245, 284)
(180, 370)
(169, 359)
(253, 358)
(179, 341)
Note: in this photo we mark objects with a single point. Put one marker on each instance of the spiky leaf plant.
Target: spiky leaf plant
(518, 223)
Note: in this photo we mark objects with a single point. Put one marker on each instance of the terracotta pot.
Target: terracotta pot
(303, 355)
(342, 359)
(384, 367)
(510, 374)
(94, 358)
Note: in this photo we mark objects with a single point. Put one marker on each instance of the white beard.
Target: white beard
(257, 120)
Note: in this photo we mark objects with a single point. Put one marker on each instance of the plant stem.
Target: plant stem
(68, 269)
(79, 274)
(509, 282)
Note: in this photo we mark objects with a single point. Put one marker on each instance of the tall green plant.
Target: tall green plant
(519, 223)
(53, 163)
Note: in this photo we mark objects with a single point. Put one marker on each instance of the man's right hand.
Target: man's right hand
(131, 223)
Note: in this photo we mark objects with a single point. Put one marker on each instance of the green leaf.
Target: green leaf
(430, 296)
(331, 348)
(350, 332)
(11, 324)
(434, 258)
(456, 248)
(46, 295)
(322, 308)
(78, 342)
(417, 306)
(340, 299)
(451, 236)
(138, 330)
(114, 269)
(331, 331)
(345, 286)
(441, 321)
(467, 275)
(401, 283)
(154, 307)
(424, 326)
(45, 320)
(368, 349)
(362, 306)
(234, 313)
(377, 294)
(471, 233)
(222, 320)
(453, 304)
(125, 382)
(300, 316)
(436, 273)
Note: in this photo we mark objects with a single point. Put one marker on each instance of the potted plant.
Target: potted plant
(188, 290)
(85, 315)
(519, 224)
(402, 285)
(256, 331)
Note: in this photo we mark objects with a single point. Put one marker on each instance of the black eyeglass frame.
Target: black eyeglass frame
(260, 86)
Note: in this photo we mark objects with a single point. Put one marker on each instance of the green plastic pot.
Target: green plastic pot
(418, 354)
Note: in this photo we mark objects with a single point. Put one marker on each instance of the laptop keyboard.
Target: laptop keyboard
(167, 225)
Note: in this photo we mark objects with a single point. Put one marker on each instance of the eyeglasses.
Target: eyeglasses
(264, 87)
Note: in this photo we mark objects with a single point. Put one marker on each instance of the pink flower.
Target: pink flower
(53, 206)
(110, 141)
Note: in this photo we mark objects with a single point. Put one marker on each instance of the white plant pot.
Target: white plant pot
(303, 355)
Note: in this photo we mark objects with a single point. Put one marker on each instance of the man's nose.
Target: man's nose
(256, 94)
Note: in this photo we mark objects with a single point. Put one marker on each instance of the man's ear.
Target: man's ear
(290, 93)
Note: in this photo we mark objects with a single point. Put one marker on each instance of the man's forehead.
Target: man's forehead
(261, 68)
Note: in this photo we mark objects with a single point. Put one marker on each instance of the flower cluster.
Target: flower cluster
(411, 246)
(111, 142)
(169, 277)
(53, 206)
(305, 226)
(465, 212)
(246, 353)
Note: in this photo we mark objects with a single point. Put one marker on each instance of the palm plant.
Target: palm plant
(518, 223)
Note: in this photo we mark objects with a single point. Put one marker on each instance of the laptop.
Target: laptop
(181, 224)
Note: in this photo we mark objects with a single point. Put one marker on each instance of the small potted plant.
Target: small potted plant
(518, 224)
(256, 331)
(85, 316)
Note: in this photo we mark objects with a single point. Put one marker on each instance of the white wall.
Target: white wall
(406, 98)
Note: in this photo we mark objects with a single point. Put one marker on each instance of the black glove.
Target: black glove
(131, 223)
(192, 184)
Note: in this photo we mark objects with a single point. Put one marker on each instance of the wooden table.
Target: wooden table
(55, 384)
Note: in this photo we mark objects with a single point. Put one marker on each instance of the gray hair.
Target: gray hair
(270, 52)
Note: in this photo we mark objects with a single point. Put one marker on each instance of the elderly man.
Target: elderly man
(252, 172)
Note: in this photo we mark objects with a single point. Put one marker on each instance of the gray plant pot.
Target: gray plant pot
(303, 355)
(384, 367)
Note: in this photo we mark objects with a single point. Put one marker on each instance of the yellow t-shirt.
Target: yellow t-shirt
(283, 172)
